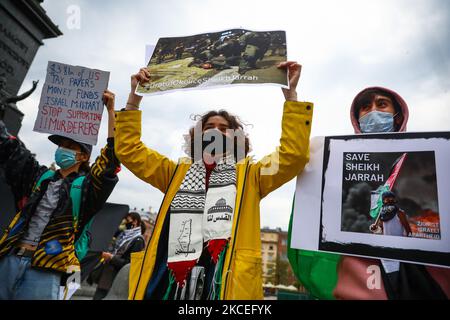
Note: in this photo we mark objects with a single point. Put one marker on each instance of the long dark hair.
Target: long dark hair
(233, 121)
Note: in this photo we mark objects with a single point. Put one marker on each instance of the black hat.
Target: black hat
(57, 139)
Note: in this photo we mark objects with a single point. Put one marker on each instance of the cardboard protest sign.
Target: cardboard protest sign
(71, 102)
(377, 195)
(236, 56)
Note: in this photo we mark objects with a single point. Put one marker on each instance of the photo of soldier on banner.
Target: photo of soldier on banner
(235, 56)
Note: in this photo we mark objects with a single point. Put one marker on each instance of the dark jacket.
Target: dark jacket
(55, 250)
(333, 276)
(111, 268)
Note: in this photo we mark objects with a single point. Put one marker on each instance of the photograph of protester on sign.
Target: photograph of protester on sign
(235, 56)
(390, 193)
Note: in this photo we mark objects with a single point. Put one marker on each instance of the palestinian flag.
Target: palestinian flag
(317, 271)
(376, 200)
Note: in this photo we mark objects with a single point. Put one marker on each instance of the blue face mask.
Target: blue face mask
(377, 121)
(65, 158)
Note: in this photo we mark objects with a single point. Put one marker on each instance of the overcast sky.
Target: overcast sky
(344, 46)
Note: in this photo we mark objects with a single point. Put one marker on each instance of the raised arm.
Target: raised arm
(292, 154)
(145, 163)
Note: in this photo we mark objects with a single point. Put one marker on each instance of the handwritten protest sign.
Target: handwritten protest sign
(71, 102)
(380, 196)
(235, 56)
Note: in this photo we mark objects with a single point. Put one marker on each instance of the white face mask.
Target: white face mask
(377, 121)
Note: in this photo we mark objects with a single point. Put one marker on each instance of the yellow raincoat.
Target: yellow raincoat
(242, 271)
